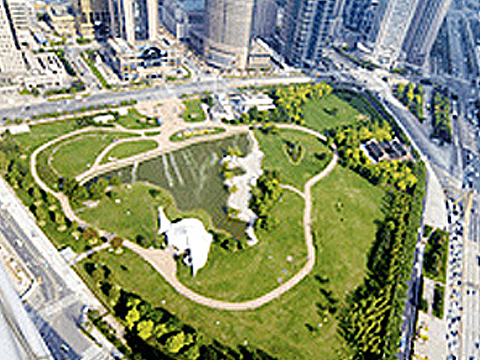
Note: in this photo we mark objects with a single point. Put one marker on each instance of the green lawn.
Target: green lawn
(329, 112)
(135, 214)
(314, 158)
(135, 120)
(345, 210)
(193, 111)
(73, 156)
(127, 149)
(360, 103)
(42, 133)
(289, 326)
(250, 273)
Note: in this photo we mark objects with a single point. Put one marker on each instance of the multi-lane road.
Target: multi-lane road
(54, 302)
(470, 336)
(206, 83)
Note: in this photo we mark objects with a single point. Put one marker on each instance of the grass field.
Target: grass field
(315, 156)
(193, 111)
(42, 133)
(127, 149)
(329, 112)
(135, 214)
(135, 120)
(250, 273)
(360, 103)
(289, 326)
(73, 156)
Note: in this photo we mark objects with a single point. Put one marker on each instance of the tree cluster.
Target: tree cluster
(411, 96)
(155, 333)
(290, 100)
(348, 139)
(436, 253)
(264, 196)
(289, 103)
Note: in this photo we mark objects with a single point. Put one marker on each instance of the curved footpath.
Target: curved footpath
(162, 261)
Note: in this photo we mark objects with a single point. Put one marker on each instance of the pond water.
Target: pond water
(192, 175)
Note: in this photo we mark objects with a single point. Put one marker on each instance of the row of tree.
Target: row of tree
(370, 321)
(155, 333)
(441, 122)
(436, 253)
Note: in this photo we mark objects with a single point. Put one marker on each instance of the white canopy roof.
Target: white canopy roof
(187, 236)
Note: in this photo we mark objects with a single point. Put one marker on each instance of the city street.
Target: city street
(56, 304)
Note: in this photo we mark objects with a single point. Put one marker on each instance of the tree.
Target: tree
(116, 242)
(90, 233)
(176, 342)
(192, 353)
(115, 181)
(145, 329)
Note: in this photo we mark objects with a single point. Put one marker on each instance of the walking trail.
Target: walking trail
(161, 260)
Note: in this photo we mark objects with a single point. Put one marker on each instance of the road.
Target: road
(154, 93)
(470, 331)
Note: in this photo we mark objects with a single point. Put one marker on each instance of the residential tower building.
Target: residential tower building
(424, 29)
(228, 32)
(389, 29)
(308, 26)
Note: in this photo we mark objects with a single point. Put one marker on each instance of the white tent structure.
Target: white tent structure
(187, 236)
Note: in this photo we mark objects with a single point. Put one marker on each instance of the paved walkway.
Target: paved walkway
(162, 260)
(86, 254)
(165, 145)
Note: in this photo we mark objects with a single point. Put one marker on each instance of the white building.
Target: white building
(232, 106)
(186, 237)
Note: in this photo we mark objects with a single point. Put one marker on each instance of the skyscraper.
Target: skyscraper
(265, 18)
(307, 27)
(388, 32)
(228, 29)
(423, 30)
(181, 16)
(359, 14)
(127, 19)
(11, 59)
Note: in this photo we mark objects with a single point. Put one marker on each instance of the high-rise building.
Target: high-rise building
(180, 16)
(308, 26)
(228, 29)
(389, 29)
(423, 30)
(359, 14)
(22, 15)
(131, 20)
(11, 59)
(265, 18)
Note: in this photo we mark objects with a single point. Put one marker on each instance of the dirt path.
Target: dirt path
(162, 261)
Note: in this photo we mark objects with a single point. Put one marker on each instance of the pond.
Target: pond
(192, 175)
